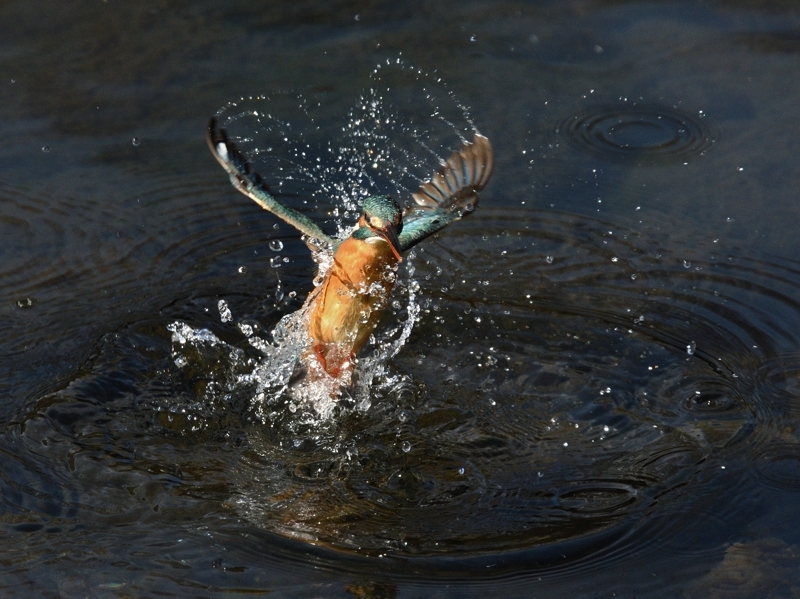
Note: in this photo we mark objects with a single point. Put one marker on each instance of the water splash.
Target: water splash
(386, 144)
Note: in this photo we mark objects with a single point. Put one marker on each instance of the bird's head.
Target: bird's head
(382, 218)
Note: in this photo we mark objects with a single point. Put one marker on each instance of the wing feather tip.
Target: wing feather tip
(456, 185)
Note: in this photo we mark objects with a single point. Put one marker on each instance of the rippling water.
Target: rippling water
(645, 134)
(598, 392)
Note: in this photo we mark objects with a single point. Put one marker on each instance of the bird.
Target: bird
(345, 307)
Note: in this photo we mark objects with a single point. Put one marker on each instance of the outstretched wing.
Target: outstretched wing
(253, 186)
(450, 194)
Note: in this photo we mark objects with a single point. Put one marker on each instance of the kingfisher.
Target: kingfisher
(345, 307)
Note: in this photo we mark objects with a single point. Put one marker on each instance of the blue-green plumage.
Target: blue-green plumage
(449, 195)
(252, 185)
(345, 308)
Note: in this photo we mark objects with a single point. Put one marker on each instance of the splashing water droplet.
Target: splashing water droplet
(136, 141)
(25, 302)
(406, 446)
(276, 245)
(224, 311)
(690, 349)
(242, 269)
(45, 149)
(549, 259)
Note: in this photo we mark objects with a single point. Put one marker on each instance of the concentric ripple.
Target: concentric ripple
(640, 133)
(565, 416)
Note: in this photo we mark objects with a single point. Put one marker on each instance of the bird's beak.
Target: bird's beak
(389, 233)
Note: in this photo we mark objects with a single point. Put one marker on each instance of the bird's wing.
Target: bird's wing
(253, 186)
(450, 194)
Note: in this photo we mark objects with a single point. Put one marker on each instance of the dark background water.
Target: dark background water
(115, 220)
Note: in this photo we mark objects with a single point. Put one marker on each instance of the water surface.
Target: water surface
(598, 396)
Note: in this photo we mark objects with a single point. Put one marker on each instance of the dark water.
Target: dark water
(599, 395)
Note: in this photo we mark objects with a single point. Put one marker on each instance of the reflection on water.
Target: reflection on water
(599, 393)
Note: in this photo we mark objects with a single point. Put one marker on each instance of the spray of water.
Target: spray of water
(391, 140)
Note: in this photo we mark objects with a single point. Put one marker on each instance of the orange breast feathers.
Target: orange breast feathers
(347, 306)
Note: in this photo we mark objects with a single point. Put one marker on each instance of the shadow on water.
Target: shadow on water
(589, 385)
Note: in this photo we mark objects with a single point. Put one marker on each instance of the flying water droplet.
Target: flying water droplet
(242, 269)
(136, 141)
(549, 259)
(276, 245)
(45, 149)
(224, 311)
(25, 302)
(690, 349)
(406, 446)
